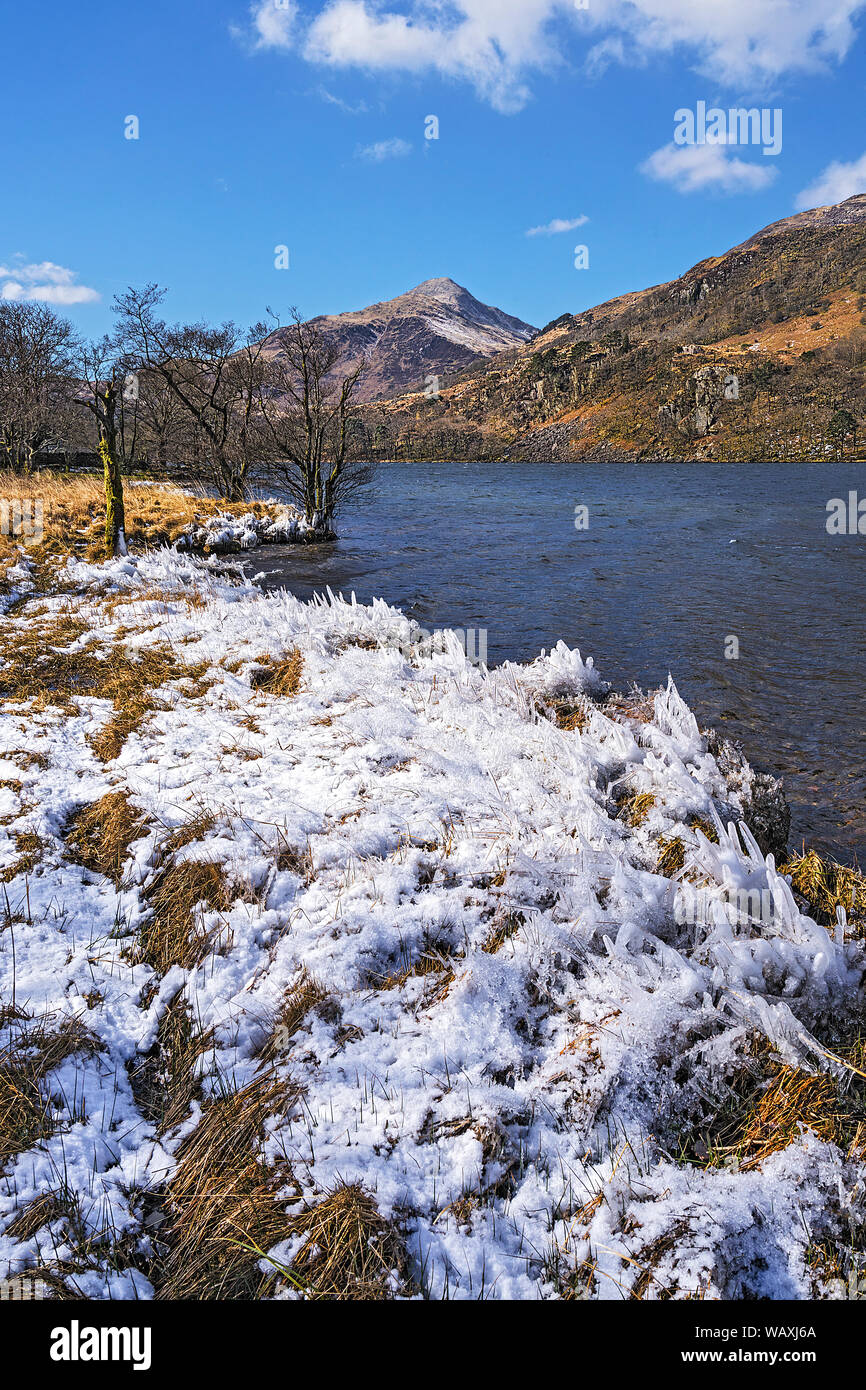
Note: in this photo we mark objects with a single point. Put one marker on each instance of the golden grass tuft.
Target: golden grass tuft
(671, 856)
(635, 808)
(43, 662)
(827, 885)
(198, 825)
(99, 835)
(573, 716)
(672, 849)
(706, 827)
(349, 1250)
(296, 1004)
(27, 758)
(175, 933)
(279, 676)
(73, 509)
(773, 1105)
(108, 743)
(224, 1205)
(164, 1082)
(29, 846)
(25, 1063)
(432, 962)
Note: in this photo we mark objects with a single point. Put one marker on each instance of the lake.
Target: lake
(675, 561)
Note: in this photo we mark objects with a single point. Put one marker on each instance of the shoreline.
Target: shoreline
(475, 958)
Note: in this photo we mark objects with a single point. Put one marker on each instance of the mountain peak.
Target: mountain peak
(440, 288)
(434, 330)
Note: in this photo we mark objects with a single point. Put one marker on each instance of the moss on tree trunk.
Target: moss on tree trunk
(115, 527)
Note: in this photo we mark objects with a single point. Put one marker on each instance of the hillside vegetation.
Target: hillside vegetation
(759, 352)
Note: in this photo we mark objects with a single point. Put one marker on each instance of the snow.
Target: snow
(482, 335)
(515, 1111)
(225, 532)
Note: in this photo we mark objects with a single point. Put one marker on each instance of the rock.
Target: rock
(761, 797)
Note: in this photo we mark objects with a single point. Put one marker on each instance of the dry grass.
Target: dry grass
(30, 847)
(223, 1203)
(672, 849)
(506, 926)
(672, 855)
(279, 676)
(650, 1257)
(25, 1063)
(580, 1283)
(349, 1252)
(26, 758)
(164, 1083)
(430, 962)
(297, 1003)
(571, 717)
(43, 662)
(827, 886)
(637, 706)
(175, 933)
(772, 1103)
(200, 824)
(10, 1013)
(30, 1219)
(99, 835)
(635, 808)
(73, 509)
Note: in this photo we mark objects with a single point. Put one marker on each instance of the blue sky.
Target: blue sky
(303, 125)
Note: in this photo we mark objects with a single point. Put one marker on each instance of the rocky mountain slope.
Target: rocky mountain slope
(434, 329)
(755, 352)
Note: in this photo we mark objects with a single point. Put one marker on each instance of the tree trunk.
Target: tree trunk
(115, 529)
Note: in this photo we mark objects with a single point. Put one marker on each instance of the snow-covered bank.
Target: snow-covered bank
(223, 533)
(434, 919)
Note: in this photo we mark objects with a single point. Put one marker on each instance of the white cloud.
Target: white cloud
(496, 45)
(737, 42)
(45, 281)
(357, 110)
(394, 148)
(475, 40)
(701, 168)
(559, 224)
(272, 25)
(836, 183)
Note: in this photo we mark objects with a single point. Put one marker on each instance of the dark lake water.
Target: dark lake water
(676, 559)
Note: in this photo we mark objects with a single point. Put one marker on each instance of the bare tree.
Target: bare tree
(109, 391)
(308, 416)
(37, 347)
(213, 373)
(163, 431)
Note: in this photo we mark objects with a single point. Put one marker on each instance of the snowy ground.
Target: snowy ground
(516, 1029)
(225, 532)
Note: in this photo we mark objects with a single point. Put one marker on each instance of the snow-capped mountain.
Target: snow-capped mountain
(435, 329)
